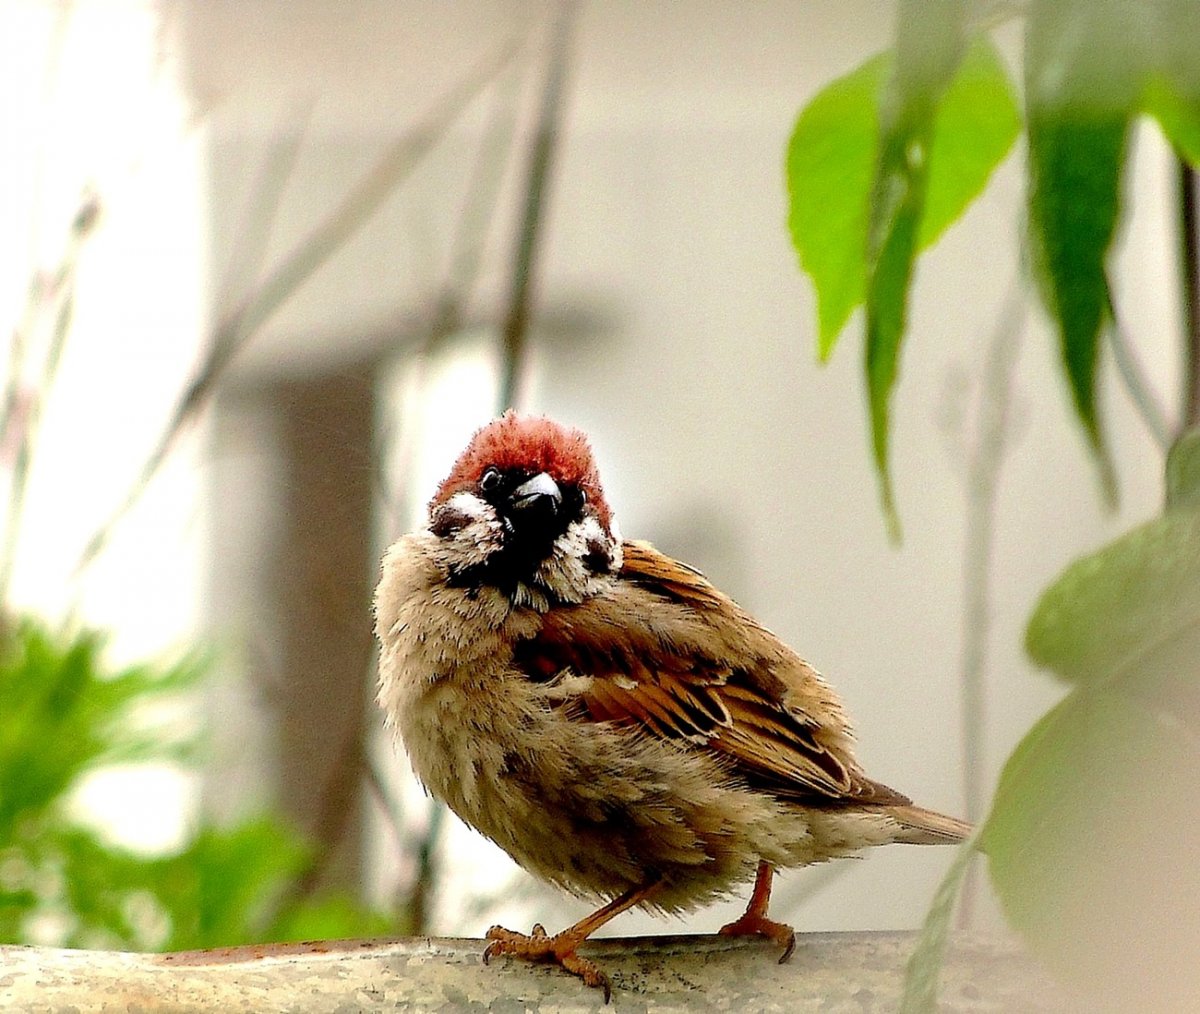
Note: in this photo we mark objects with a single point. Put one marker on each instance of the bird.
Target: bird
(602, 712)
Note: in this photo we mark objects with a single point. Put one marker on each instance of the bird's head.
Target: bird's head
(523, 511)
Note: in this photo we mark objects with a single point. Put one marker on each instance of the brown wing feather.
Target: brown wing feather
(668, 653)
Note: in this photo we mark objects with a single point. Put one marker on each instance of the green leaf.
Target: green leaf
(929, 48)
(1173, 92)
(1108, 609)
(63, 713)
(974, 130)
(830, 159)
(1091, 847)
(99, 884)
(1183, 471)
(1074, 202)
(56, 689)
(1091, 836)
(830, 167)
(219, 889)
(1084, 70)
(329, 917)
(231, 886)
(1178, 116)
(924, 967)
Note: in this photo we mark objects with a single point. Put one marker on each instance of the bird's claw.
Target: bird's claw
(538, 946)
(752, 924)
(588, 971)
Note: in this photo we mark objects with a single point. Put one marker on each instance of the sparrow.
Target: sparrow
(602, 712)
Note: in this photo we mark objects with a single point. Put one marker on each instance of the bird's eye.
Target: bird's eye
(582, 496)
(489, 480)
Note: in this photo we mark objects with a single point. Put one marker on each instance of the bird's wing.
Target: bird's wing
(667, 653)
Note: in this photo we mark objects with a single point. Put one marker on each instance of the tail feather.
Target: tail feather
(919, 826)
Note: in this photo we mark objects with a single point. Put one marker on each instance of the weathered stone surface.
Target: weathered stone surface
(829, 972)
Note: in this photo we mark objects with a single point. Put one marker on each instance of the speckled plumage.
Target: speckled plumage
(594, 807)
(602, 712)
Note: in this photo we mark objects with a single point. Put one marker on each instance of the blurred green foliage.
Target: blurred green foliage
(882, 160)
(1089, 839)
(63, 715)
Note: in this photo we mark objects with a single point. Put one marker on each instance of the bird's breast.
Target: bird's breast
(592, 806)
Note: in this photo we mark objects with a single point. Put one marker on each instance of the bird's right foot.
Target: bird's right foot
(559, 949)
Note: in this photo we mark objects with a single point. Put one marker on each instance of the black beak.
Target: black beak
(535, 501)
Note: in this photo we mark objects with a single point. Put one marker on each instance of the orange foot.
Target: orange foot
(750, 925)
(754, 921)
(560, 948)
(537, 946)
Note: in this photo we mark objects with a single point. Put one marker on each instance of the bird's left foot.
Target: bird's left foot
(755, 924)
(559, 949)
(754, 921)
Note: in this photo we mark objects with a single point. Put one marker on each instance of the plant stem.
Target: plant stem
(48, 299)
(253, 237)
(357, 208)
(987, 455)
(542, 148)
(425, 879)
(1145, 401)
(1190, 263)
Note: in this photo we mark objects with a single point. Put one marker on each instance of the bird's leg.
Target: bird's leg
(561, 948)
(754, 921)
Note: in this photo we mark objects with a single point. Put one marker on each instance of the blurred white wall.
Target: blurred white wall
(694, 371)
(93, 114)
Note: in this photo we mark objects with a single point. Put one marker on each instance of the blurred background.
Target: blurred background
(267, 265)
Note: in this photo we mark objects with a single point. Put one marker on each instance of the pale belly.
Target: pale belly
(593, 808)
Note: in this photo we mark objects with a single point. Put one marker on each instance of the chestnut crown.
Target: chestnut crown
(523, 509)
(518, 449)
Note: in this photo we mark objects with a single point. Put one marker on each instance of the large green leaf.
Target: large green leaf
(1091, 838)
(930, 42)
(1183, 471)
(1109, 609)
(1091, 846)
(831, 160)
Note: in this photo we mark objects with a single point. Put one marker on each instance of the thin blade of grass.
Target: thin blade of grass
(515, 328)
(924, 967)
(354, 211)
(262, 208)
(55, 299)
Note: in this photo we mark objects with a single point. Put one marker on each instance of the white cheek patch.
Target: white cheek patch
(471, 506)
(584, 558)
(583, 541)
(597, 542)
(467, 530)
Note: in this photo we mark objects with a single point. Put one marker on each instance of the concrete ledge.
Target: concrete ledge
(829, 972)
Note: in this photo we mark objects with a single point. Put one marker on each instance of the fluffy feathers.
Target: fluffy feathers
(601, 711)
